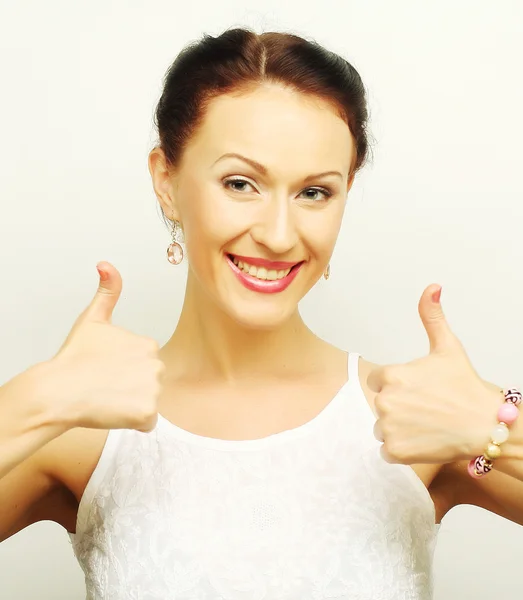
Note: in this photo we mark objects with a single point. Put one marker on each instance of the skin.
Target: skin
(240, 364)
(255, 346)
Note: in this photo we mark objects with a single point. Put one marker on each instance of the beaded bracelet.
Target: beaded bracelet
(508, 412)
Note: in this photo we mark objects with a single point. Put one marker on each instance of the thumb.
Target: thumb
(107, 294)
(433, 319)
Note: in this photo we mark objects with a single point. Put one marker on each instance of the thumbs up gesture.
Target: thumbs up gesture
(103, 376)
(435, 409)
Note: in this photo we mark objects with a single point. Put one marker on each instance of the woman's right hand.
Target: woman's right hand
(104, 377)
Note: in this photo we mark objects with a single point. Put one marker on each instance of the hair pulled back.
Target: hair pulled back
(240, 59)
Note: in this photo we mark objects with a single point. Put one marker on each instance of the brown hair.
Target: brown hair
(238, 59)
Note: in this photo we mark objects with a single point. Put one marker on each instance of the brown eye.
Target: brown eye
(317, 194)
(236, 185)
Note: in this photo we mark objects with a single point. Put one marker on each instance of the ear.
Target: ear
(163, 183)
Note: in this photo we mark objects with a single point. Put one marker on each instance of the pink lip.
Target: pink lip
(268, 264)
(264, 286)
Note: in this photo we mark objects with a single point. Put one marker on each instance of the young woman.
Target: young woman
(242, 459)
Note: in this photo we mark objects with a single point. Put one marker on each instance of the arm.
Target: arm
(498, 492)
(103, 377)
(84, 384)
(501, 491)
(26, 420)
(27, 490)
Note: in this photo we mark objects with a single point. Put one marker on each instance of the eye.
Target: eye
(313, 194)
(235, 184)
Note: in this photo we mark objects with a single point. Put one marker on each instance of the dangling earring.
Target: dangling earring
(327, 272)
(175, 251)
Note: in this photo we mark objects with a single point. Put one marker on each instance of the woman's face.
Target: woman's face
(260, 194)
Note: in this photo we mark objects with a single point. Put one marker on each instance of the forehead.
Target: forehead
(277, 126)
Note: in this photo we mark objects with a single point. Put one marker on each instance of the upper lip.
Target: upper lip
(268, 264)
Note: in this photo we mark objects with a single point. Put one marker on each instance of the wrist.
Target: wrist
(40, 394)
(507, 428)
(513, 447)
(483, 421)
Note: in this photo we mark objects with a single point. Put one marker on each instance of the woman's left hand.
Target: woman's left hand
(435, 409)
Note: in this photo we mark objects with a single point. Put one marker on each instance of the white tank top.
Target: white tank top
(310, 513)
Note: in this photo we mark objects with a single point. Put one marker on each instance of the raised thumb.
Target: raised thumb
(434, 321)
(107, 294)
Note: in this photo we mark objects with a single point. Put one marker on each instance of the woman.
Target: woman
(239, 460)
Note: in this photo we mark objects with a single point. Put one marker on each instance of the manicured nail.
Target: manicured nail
(436, 296)
(104, 276)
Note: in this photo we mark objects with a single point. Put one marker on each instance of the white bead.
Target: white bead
(499, 434)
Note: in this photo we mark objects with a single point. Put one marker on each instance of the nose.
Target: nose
(275, 227)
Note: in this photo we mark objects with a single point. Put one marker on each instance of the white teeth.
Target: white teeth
(260, 272)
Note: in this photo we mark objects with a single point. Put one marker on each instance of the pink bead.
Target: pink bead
(479, 467)
(472, 471)
(508, 413)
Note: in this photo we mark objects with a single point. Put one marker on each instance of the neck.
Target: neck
(208, 343)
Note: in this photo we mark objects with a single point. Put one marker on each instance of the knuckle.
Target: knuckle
(395, 451)
(151, 346)
(394, 374)
(382, 403)
(155, 346)
(389, 452)
(387, 430)
(160, 368)
(146, 417)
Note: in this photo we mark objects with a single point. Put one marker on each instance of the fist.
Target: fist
(435, 409)
(105, 377)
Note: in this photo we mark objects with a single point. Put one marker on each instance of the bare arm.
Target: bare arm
(27, 425)
(498, 492)
(102, 378)
(26, 419)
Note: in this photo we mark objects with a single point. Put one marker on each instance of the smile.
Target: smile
(261, 275)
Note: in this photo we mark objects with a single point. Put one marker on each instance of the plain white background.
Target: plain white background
(441, 202)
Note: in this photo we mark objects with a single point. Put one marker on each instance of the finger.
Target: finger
(378, 434)
(107, 294)
(431, 312)
(386, 456)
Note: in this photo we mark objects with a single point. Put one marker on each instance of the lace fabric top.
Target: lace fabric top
(306, 514)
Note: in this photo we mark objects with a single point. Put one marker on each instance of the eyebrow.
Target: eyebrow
(263, 169)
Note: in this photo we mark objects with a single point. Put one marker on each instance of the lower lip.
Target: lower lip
(261, 285)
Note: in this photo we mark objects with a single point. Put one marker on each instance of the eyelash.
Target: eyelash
(325, 191)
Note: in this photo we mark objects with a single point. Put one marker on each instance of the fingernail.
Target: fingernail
(436, 295)
(104, 276)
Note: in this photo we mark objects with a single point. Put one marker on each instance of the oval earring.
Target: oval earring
(327, 272)
(175, 250)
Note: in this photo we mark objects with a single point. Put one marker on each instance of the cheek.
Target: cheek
(200, 210)
(210, 221)
(320, 229)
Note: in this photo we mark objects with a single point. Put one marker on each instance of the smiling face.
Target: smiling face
(260, 193)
